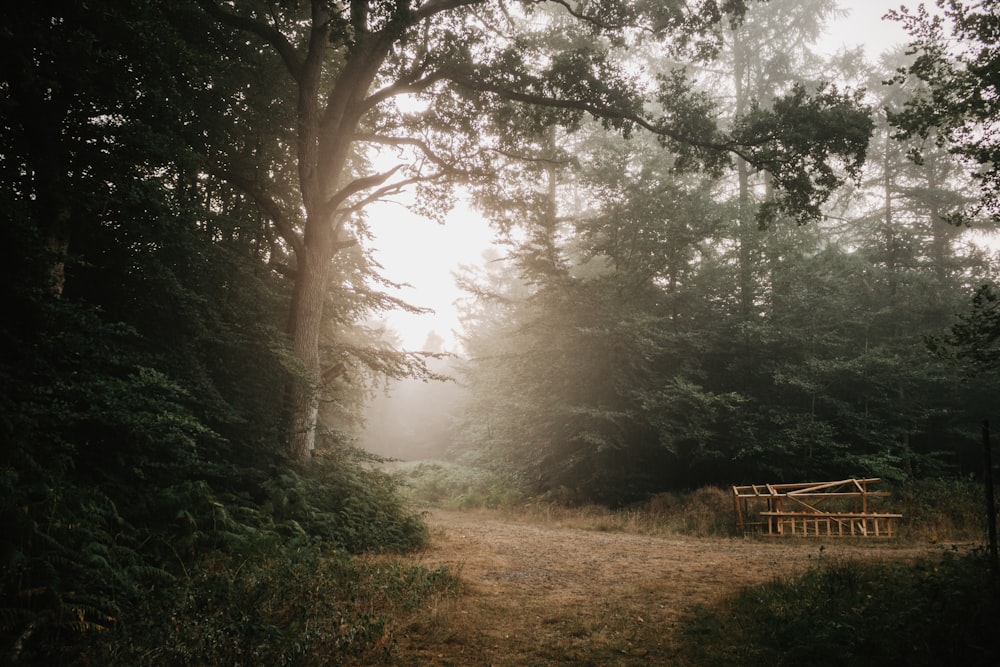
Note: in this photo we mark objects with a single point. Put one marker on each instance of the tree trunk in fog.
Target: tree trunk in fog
(327, 114)
(304, 322)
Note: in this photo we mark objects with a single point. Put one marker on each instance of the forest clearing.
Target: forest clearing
(539, 593)
(716, 244)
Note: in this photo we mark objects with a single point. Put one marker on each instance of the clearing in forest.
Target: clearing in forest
(544, 594)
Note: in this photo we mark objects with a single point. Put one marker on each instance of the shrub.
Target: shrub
(340, 498)
(300, 606)
(941, 509)
(456, 486)
(844, 613)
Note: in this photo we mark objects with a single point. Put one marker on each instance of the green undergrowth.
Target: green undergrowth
(284, 607)
(448, 485)
(851, 613)
(276, 568)
(706, 512)
(935, 510)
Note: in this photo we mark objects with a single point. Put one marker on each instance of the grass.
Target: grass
(446, 485)
(309, 607)
(943, 611)
(706, 512)
(933, 510)
(928, 613)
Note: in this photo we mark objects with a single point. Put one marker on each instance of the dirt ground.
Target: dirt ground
(544, 594)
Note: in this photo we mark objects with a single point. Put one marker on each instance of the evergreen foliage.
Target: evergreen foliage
(659, 337)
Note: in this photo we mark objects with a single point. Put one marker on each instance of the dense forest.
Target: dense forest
(727, 258)
(652, 326)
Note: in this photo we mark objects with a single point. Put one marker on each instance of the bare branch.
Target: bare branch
(419, 144)
(437, 6)
(589, 18)
(394, 188)
(403, 86)
(531, 158)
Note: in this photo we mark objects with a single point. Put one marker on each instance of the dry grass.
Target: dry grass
(707, 512)
(550, 586)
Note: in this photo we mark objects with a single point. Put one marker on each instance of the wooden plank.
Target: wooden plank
(838, 515)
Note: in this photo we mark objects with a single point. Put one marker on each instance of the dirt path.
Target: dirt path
(549, 595)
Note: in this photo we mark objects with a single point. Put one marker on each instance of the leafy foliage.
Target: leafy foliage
(647, 332)
(141, 349)
(456, 486)
(958, 60)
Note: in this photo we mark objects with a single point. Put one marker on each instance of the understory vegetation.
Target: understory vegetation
(936, 510)
(925, 614)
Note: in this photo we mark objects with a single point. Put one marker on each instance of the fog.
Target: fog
(410, 419)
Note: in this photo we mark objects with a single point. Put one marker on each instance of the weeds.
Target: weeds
(941, 509)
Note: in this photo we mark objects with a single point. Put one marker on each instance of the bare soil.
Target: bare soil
(547, 594)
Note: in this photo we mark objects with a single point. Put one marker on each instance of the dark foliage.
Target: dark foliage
(929, 613)
(139, 358)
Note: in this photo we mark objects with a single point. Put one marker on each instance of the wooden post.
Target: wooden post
(991, 508)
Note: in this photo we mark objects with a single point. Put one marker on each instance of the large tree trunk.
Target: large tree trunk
(304, 324)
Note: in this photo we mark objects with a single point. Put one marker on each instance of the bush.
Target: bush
(281, 607)
(455, 486)
(340, 498)
(941, 509)
(928, 613)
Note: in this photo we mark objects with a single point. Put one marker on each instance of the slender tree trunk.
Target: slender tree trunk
(888, 221)
(746, 239)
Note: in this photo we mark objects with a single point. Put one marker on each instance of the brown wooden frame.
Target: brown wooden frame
(795, 509)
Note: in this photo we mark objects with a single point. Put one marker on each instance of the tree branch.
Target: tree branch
(587, 18)
(395, 188)
(268, 33)
(403, 86)
(267, 204)
(356, 186)
(419, 144)
(595, 110)
(437, 6)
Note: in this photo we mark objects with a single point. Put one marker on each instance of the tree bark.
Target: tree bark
(304, 324)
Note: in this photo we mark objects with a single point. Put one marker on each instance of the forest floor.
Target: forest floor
(536, 593)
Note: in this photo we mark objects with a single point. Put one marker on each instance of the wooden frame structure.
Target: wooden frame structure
(796, 509)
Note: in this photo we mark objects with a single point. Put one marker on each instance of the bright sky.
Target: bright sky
(863, 25)
(425, 254)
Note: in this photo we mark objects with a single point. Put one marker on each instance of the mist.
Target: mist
(411, 419)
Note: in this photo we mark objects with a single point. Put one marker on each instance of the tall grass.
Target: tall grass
(707, 511)
(941, 509)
